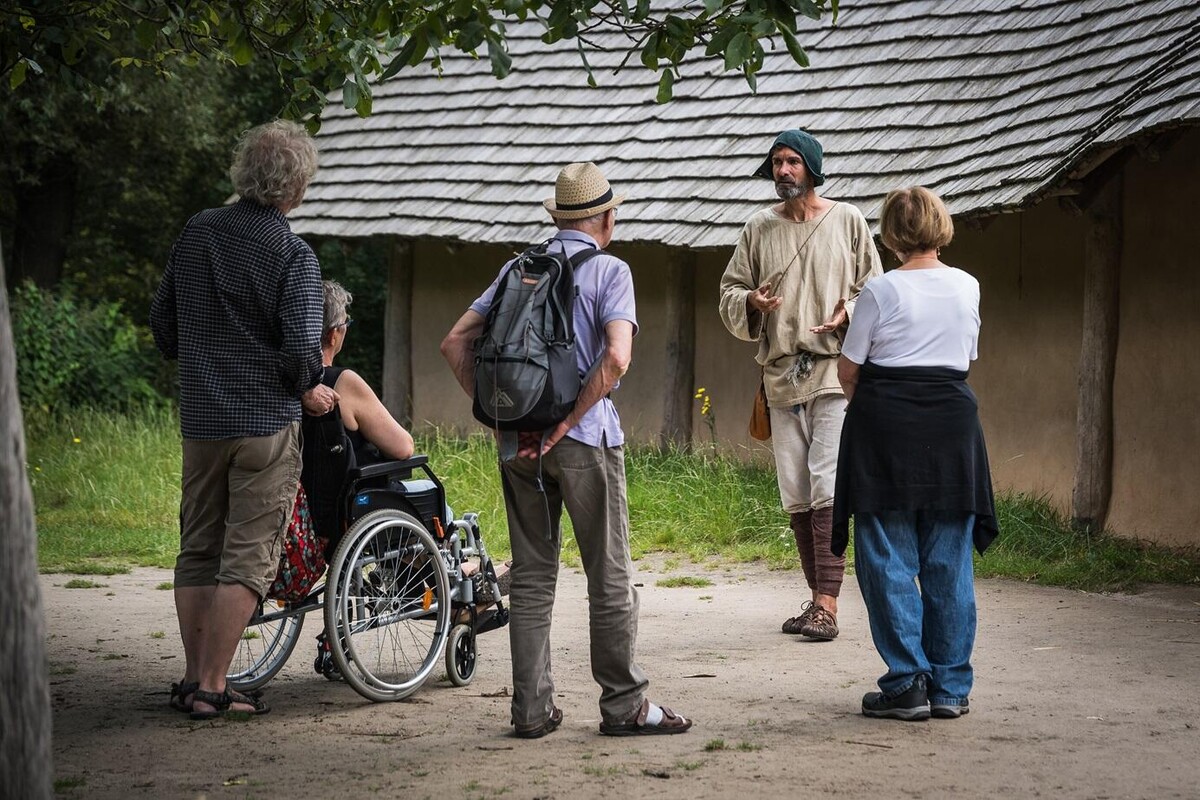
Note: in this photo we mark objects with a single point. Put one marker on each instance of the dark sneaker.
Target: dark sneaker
(949, 710)
(541, 729)
(911, 705)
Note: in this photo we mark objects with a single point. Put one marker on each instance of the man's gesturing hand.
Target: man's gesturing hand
(761, 299)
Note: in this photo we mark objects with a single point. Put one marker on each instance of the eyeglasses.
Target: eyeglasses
(346, 325)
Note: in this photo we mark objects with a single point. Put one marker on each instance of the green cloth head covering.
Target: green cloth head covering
(803, 143)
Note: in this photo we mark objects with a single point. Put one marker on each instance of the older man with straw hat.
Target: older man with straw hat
(582, 466)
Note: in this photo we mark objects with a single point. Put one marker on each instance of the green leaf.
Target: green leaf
(146, 33)
(559, 15)
(752, 81)
(739, 50)
(591, 79)
(17, 76)
(720, 40)
(241, 50)
(666, 86)
(350, 95)
(641, 11)
(650, 52)
(471, 36)
(501, 60)
(676, 28)
(713, 6)
(363, 106)
(794, 48)
(808, 8)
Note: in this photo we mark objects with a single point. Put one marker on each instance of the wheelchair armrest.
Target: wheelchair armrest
(388, 467)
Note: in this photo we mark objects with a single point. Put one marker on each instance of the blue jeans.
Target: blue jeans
(928, 630)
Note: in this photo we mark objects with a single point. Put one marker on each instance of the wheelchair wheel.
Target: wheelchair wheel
(387, 605)
(268, 641)
(460, 655)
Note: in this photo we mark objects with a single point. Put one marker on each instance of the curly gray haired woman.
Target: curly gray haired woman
(273, 163)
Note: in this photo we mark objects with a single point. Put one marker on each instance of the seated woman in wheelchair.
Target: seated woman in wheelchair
(367, 422)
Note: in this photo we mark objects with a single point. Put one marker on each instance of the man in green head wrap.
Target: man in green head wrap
(790, 286)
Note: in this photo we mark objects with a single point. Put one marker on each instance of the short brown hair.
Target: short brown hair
(914, 219)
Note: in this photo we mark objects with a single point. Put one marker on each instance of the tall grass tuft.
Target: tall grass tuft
(705, 505)
(1037, 543)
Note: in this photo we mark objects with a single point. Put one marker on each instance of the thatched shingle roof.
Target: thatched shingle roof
(992, 103)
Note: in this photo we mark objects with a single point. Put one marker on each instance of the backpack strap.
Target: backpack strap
(571, 264)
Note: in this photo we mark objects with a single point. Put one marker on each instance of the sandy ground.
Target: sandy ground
(1077, 695)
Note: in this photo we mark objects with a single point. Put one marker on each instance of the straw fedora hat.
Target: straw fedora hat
(581, 191)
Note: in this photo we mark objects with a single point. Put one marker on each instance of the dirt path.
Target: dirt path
(1077, 695)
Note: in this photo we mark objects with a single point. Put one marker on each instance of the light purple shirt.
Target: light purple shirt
(605, 294)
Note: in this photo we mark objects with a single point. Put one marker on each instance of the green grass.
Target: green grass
(684, 580)
(1038, 544)
(80, 583)
(106, 488)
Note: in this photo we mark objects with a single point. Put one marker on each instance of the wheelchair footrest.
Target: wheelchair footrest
(491, 620)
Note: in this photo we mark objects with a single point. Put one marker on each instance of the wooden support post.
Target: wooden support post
(25, 768)
(397, 334)
(1098, 356)
(680, 383)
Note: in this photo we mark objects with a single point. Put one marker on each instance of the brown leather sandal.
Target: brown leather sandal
(795, 625)
(669, 724)
(821, 625)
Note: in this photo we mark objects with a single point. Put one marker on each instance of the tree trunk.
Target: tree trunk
(25, 766)
(1098, 357)
(680, 383)
(45, 214)
(397, 334)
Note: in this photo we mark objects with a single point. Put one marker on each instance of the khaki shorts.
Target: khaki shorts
(236, 502)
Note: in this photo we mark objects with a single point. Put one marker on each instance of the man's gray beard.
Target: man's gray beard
(790, 191)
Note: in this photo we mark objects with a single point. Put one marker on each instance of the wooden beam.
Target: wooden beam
(1098, 356)
(397, 333)
(25, 753)
(680, 383)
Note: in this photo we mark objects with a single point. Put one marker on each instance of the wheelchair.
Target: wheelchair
(404, 586)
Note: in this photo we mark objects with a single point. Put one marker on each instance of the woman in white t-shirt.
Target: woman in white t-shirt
(912, 467)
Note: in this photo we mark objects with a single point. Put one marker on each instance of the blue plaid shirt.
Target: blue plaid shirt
(240, 305)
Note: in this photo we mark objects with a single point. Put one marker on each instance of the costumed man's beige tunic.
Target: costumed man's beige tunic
(836, 263)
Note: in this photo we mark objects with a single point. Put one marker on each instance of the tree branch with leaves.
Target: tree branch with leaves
(320, 46)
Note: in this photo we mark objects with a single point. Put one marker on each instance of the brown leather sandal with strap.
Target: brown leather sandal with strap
(640, 726)
(821, 625)
(795, 625)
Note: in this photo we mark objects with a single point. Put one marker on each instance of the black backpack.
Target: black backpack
(526, 374)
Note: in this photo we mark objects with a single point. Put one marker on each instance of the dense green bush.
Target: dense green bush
(74, 354)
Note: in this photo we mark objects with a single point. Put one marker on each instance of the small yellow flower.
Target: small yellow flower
(37, 469)
(76, 440)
